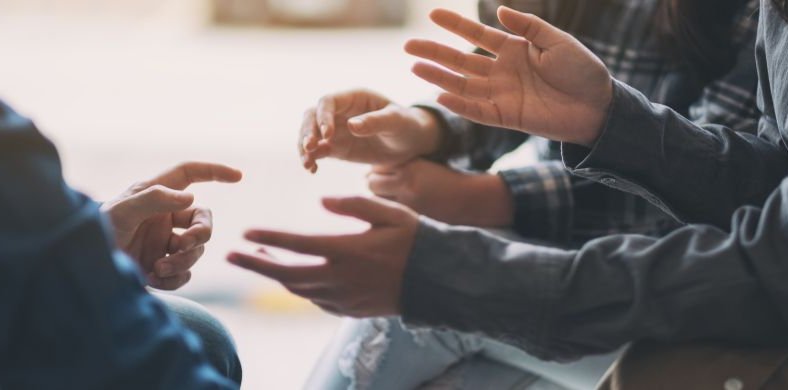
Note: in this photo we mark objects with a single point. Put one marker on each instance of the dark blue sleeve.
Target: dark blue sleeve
(73, 310)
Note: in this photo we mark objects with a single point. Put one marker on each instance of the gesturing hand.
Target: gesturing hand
(541, 81)
(362, 273)
(437, 191)
(363, 126)
(144, 216)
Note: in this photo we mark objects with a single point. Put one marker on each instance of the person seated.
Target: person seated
(718, 279)
(143, 219)
(421, 157)
(76, 313)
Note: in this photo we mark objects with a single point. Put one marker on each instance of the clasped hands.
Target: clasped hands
(539, 80)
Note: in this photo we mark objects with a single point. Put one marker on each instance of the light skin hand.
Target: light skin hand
(439, 192)
(363, 126)
(362, 273)
(144, 218)
(542, 80)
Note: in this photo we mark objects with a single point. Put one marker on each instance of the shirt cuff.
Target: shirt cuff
(617, 132)
(543, 201)
(625, 147)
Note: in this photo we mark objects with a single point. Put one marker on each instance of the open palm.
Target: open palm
(541, 81)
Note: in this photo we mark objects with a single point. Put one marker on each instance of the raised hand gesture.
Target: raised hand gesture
(541, 80)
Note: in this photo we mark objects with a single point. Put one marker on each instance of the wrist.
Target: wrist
(597, 126)
(429, 127)
(491, 199)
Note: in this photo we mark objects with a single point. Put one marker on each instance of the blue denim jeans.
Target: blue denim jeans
(382, 354)
(216, 340)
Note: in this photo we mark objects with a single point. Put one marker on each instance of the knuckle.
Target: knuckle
(206, 234)
(157, 192)
(139, 187)
(199, 251)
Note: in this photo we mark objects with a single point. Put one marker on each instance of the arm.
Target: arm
(697, 283)
(695, 173)
(554, 205)
(75, 313)
(702, 174)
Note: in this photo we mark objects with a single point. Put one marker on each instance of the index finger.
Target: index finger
(186, 174)
(487, 38)
(265, 265)
(465, 63)
(341, 103)
(316, 245)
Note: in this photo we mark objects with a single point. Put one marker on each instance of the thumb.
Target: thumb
(531, 27)
(376, 211)
(389, 119)
(153, 200)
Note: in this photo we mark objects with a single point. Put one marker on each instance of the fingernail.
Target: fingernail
(323, 129)
(355, 124)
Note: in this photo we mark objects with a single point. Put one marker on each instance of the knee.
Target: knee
(216, 340)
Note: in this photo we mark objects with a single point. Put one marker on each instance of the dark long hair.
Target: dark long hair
(699, 33)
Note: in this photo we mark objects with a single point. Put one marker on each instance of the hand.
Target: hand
(362, 273)
(445, 194)
(543, 81)
(362, 126)
(145, 215)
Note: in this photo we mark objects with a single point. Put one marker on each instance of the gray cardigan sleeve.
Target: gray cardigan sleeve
(698, 174)
(699, 282)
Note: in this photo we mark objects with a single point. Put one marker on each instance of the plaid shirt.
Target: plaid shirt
(550, 203)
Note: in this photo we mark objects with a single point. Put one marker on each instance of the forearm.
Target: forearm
(697, 283)
(551, 205)
(486, 202)
(697, 174)
(598, 210)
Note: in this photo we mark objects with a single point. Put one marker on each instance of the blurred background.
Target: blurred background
(127, 88)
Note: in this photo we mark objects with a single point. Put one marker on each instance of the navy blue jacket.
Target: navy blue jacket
(73, 310)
